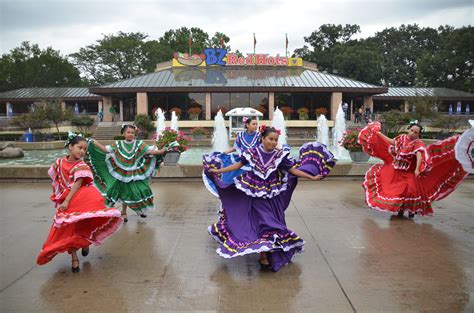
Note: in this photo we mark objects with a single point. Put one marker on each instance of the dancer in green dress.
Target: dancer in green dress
(122, 171)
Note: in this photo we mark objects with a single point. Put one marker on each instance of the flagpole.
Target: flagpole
(254, 44)
(286, 45)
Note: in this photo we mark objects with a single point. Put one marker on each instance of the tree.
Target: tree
(83, 123)
(423, 108)
(393, 120)
(323, 41)
(53, 112)
(453, 63)
(34, 120)
(29, 66)
(114, 57)
(401, 49)
(358, 61)
(177, 40)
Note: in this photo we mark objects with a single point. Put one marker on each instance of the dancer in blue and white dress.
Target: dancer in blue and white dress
(245, 140)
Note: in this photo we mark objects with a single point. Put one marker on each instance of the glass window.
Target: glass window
(239, 100)
(259, 101)
(177, 100)
(219, 101)
(196, 100)
(155, 101)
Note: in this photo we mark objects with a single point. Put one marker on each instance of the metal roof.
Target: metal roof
(411, 92)
(63, 93)
(227, 78)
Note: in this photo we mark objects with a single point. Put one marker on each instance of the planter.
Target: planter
(303, 116)
(198, 137)
(359, 156)
(172, 158)
(193, 117)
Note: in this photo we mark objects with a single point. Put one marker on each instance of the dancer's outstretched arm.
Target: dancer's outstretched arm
(99, 145)
(157, 152)
(230, 150)
(299, 173)
(229, 168)
(390, 140)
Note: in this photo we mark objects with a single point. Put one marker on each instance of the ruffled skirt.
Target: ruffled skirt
(86, 221)
(249, 224)
(391, 190)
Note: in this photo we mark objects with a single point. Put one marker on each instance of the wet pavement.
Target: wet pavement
(356, 260)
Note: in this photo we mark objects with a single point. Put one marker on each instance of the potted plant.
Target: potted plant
(194, 113)
(176, 111)
(287, 111)
(173, 141)
(349, 142)
(320, 111)
(262, 109)
(198, 133)
(303, 113)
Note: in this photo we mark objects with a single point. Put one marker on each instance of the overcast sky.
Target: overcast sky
(70, 24)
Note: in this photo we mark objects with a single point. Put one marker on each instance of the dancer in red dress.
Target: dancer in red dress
(81, 215)
(412, 175)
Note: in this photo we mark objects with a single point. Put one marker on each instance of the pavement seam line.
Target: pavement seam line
(325, 259)
(21, 276)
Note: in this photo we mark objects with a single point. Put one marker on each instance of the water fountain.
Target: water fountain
(337, 133)
(279, 123)
(160, 122)
(174, 121)
(220, 141)
(322, 130)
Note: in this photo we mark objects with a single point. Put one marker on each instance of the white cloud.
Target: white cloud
(67, 26)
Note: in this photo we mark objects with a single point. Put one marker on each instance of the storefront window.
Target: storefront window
(259, 101)
(239, 100)
(220, 101)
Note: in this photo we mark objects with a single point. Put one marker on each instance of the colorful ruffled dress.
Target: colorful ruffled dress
(87, 219)
(252, 216)
(122, 174)
(464, 149)
(393, 186)
(243, 142)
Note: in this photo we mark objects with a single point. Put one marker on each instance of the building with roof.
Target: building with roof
(197, 86)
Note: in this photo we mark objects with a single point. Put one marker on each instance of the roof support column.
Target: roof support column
(121, 109)
(271, 105)
(208, 106)
(142, 103)
(336, 99)
(369, 103)
(406, 106)
(63, 105)
(107, 104)
(9, 108)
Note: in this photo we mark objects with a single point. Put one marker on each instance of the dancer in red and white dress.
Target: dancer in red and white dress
(412, 175)
(81, 215)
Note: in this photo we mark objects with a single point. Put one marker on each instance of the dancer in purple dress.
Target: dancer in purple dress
(252, 217)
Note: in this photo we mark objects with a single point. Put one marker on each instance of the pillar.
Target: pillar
(271, 105)
(63, 105)
(121, 109)
(369, 103)
(406, 106)
(9, 109)
(208, 106)
(107, 104)
(142, 103)
(336, 99)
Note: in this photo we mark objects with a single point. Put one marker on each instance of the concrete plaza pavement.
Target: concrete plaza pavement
(356, 259)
